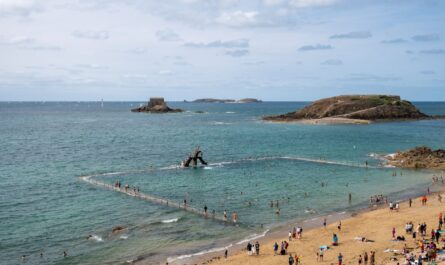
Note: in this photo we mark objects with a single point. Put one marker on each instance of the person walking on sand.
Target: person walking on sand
(372, 258)
(365, 258)
(324, 222)
(226, 252)
(340, 259)
(257, 248)
(393, 232)
(360, 260)
(339, 226)
(275, 248)
(410, 202)
(291, 259)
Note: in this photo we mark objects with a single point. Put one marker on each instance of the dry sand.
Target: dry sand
(376, 225)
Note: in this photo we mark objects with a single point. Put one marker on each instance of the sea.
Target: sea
(310, 170)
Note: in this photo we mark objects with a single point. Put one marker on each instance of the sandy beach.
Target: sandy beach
(375, 225)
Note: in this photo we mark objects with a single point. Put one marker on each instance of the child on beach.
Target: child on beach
(334, 240)
(340, 259)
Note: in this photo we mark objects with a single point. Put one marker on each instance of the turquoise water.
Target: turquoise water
(45, 147)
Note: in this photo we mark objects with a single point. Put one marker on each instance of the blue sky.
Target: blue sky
(185, 49)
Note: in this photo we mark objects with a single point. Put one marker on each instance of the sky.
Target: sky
(276, 50)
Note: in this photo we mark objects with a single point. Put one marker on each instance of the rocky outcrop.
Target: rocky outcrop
(215, 100)
(117, 229)
(418, 157)
(156, 105)
(355, 107)
(249, 100)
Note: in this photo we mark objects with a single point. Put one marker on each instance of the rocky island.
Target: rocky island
(418, 157)
(156, 105)
(357, 109)
(215, 100)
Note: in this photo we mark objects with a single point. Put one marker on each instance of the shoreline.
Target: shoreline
(238, 256)
(280, 232)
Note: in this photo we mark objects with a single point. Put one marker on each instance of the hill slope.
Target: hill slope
(355, 107)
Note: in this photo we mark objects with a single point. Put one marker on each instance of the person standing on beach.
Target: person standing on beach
(393, 232)
(291, 259)
(225, 253)
(321, 254)
(360, 260)
(275, 248)
(334, 240)
(340, 259)
(372, 258)
(257, 248)
(339, 226)
(324, 223)
(410, 202)
(365, 258)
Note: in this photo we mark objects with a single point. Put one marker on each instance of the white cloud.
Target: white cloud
(237, 53)
(238, 18)
(315, 47)
(165, 72)
(91, 34)
(27, 43)
(240, 43)
(272, 2)
(18, 7)
(311, 3)
(167, 35)
(332, 62)
(353, 35)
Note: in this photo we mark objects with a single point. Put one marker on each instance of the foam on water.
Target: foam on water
(174, 220)
(200, 253)
(253, 237)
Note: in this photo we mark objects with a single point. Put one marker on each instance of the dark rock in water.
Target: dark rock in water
(355, 107)
(118, 229)
(418, 157)
(156, 105)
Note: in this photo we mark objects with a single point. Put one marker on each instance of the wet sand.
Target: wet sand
(376, 225)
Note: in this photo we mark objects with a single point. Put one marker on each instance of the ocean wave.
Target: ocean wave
(123, 237)
(95, 238)
(208, 167)
(174, 220)
(230, 112)
(204, 252)
(252, 237)
(221, 123)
